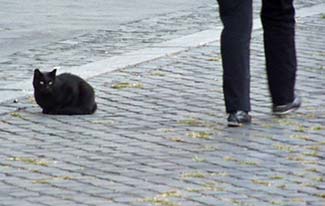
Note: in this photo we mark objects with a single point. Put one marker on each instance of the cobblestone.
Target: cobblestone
(166, 143)
(99, 44)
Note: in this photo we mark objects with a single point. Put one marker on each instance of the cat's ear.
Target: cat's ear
(53, 73)
(37, 73)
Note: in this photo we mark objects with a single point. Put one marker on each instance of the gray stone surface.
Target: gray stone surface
(166, 143)
(62, 37)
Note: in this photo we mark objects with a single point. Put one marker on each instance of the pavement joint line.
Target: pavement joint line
(156, 51)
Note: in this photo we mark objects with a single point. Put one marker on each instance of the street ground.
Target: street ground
(159, 136)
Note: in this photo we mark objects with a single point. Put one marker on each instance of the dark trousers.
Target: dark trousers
(279, 42)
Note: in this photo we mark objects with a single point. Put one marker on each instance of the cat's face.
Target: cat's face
(44, 81)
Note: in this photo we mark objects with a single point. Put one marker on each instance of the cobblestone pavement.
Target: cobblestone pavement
(99, 44)
(159, 138)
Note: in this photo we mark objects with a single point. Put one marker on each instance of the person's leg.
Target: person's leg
(236, 16)
(278, 18)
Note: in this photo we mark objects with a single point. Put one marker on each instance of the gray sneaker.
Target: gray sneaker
(287, 108)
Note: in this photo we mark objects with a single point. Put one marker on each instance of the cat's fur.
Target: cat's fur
(65, 94)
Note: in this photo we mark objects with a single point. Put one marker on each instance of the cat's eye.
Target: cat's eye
(41, 82)
(50, 83)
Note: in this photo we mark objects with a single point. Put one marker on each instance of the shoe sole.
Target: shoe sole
(234, 124)
(286, 112)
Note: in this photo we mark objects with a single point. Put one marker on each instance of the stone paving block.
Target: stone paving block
(168, 141)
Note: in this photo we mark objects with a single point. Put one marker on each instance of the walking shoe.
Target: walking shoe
(287, 108)
(237, 119)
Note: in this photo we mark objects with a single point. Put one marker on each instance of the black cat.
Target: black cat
(65, 94)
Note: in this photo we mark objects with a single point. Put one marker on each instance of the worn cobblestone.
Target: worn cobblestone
(167, 144)
(99, 44)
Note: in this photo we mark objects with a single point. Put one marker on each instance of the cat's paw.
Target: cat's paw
(45, 111)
